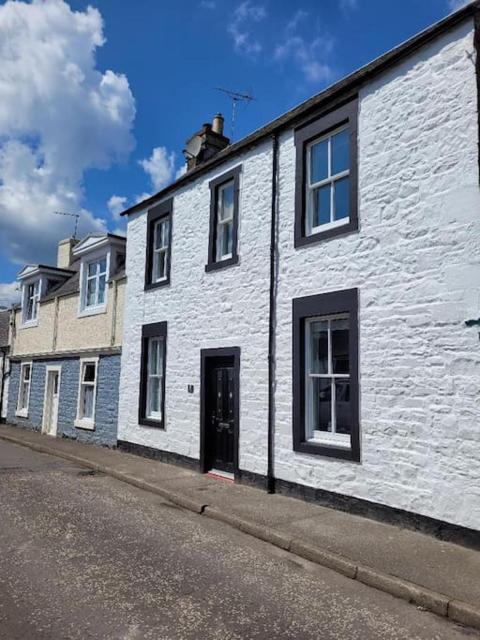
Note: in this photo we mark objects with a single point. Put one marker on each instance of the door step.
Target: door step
(225, 476)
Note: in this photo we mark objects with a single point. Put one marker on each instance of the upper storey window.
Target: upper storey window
(326, 180)
(224, 205)
(95, 283)
(159, 245)
(31, 302)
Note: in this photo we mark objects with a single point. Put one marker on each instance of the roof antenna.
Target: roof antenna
(71, 215)
(235, 97)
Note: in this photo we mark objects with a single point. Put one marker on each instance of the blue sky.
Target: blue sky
(97, 103)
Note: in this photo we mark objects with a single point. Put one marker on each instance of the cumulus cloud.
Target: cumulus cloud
(117, 204)
(208, 4)
(59, 115)
(244, 15)
(9, 294)
(160, 167)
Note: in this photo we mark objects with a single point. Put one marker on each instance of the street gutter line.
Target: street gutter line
(438, 603)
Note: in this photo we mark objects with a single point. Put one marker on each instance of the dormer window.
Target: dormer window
(30, 302)
(95, 283)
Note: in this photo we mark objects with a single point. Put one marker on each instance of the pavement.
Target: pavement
(439, 576)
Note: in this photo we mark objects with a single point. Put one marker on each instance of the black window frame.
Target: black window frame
(346, 114)
(233, 174)
(154, 330)
(325, 304)
(162, 210)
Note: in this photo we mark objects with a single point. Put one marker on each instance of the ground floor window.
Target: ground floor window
(24, 389)
(87, 393)
(325, 377)
(152, 378)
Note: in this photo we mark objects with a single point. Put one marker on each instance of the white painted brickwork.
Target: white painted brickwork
(416, 263)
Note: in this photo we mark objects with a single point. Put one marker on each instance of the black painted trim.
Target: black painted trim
(206, 354)
(372, 510)
(476, 42)
(158, 454)
(157, 329)
(345, 114)
(233, 174)
(319, 305)
(162, 210)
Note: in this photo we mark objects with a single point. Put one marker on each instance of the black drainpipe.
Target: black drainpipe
(271, 321)
(3, 376)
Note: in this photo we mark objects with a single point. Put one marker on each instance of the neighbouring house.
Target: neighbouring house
(4, 361)
(66, 338)
(303, 304)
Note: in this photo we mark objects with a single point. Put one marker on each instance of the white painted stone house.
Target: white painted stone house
(336, 253)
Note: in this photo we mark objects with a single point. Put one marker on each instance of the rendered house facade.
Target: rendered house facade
(66, 342)
(301, 304)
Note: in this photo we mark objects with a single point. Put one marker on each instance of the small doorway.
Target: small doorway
(220, 410)
(50, 403)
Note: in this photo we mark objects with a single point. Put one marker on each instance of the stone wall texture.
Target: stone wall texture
(106, 408)
(416, 262)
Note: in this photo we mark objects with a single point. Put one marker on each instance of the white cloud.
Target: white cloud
(160, 167)
(240, 28)
(348, 5)
(59, 115)
(117, 204)
(208, 4)
(181, 171)
(9, 294)
(453, 5)
(309, 56)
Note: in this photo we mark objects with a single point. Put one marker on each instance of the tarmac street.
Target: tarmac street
(85, 556)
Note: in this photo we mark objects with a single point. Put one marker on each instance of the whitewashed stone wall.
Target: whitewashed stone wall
(223, 308)
(416, 262)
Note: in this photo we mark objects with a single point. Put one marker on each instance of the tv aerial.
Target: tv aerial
(235, 97)
(71, 215)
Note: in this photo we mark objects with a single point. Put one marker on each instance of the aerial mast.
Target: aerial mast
(235, 97)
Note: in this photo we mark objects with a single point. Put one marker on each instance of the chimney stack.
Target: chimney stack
(64, 254)
(207, 142)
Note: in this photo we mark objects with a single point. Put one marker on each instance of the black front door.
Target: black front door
(221, 418)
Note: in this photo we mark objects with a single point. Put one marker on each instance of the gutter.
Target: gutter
(272, 321)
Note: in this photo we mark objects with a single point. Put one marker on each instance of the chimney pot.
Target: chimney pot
(217, 124)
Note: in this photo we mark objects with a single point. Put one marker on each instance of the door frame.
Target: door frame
(48, 369)
(207, 355)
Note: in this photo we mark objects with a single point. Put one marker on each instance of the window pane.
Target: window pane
(342, 198)
(26, 372)
(321, 206)
(103, 265)
(91, 290)
(340, 356)
(319, 347)
(165, 233)
(322, 404)
(224, 244)
(225, 210)
(159, 265)
(87, 402)
(319, 161)
(89, 372)
(342, 406)
(101, 289)
(92, 269)
(154, 398)
(340, 152)
(153, 358)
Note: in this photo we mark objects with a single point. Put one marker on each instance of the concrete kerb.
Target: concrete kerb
(421, 596)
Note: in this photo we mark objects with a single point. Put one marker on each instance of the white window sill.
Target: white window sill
(92, 311)
(84, 423)
(328, 225)
(29, 324)
(338, 440)
(21, 413)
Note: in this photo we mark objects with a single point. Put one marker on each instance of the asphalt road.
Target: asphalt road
(85, 556)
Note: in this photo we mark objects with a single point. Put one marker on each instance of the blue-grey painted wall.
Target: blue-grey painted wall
(106, 408)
